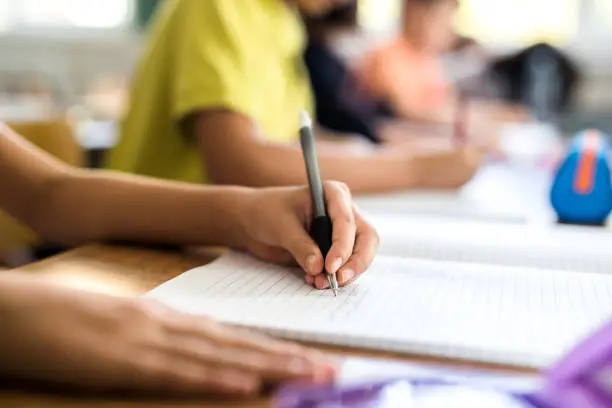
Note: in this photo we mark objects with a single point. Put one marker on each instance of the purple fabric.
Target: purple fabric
(399, 393)
(582, 379)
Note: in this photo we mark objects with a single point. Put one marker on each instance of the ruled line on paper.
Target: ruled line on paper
(447, 308)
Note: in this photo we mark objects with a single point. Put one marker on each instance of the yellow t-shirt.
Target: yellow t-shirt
(242, 55)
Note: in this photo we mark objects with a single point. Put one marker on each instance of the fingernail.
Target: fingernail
(346, 275)
(310, 263)
(336, 265)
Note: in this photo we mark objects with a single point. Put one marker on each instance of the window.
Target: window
(519, 22)
(33, 14)
(379, 15)
(495, 22)
(603, 10)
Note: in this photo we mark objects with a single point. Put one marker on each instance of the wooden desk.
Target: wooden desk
(125, 272)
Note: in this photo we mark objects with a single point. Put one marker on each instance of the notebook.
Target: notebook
(538, 246)
(499, 314)
(505, 193)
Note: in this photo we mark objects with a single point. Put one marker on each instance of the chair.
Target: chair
(56, 137)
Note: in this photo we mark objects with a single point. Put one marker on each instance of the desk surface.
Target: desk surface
(125, 272)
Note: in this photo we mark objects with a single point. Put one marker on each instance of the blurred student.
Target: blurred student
(102, 342)
(407, 74)
(340, 103)
(216, 99)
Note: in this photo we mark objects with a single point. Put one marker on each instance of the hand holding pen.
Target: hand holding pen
(327, 227)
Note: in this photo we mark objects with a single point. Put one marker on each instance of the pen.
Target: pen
(321, 230)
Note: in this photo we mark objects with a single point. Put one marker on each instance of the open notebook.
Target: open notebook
(503, 193)
(545, 247)
(526, 317)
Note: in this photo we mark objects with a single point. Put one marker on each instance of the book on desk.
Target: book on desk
(424, 300)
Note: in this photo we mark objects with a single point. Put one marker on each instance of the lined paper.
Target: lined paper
(499, 192)
(507, 315)
(559, 247)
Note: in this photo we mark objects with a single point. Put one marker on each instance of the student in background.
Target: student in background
(407, 74)
(101, 342)
(216, 99)
(340, 104)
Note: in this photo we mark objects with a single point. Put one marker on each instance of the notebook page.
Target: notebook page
(517, 316)
(507, 193)
(555, 247)
(447, 205)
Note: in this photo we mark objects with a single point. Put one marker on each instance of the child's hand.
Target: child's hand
(276, 222)
(104, 343)
(446, 170)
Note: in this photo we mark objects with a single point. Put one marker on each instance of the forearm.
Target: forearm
(91, 206)
(235, 154)
(363, 170)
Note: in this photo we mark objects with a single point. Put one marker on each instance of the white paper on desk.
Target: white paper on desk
(561, 247)
(504, 315)
(497, 193)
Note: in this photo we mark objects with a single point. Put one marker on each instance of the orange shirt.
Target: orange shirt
(397, 70)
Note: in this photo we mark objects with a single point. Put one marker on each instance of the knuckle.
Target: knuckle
(344, 188)
(337, 187)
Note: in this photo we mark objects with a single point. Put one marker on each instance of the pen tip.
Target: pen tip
(305, 120)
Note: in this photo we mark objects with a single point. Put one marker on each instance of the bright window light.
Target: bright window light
(603, 10)
(5, 19)
(519, 21)
(99, 14)
(379, 15)
(63, 13)
(506, 22)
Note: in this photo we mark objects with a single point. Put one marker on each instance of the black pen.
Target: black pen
(321, 225)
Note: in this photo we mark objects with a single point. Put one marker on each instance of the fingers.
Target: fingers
(366, 246)
(270, 360)
(268, 366)
(340, 211)
(301, 246)
(167, 373)
(354, 241)
(272, 254)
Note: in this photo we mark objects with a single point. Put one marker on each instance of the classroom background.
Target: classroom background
(68, 62)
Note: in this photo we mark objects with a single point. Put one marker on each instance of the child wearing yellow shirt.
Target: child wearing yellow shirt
(216, 97)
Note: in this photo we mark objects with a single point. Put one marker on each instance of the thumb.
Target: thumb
(301, 246)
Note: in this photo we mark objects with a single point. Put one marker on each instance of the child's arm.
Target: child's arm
(70, 205)
(235, 155)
